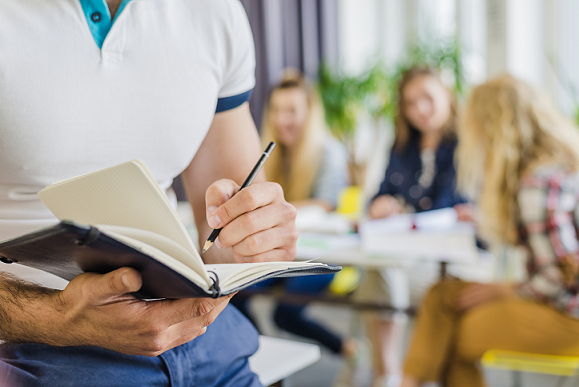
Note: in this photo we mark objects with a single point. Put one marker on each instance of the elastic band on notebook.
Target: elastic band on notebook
(90, 237)
(215, 289)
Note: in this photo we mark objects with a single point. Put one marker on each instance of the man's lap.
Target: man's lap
(217, 358)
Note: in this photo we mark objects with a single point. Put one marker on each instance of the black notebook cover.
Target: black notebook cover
(69, 249)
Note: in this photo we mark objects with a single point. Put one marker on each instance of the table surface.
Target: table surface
(346, 250)
(278, 358)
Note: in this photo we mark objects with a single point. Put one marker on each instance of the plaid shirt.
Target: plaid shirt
(548, 205)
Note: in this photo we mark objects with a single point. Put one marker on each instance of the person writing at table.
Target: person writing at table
(519, 158)
(312, 168)
(420, 177)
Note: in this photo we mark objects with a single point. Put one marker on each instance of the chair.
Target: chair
(277, 359)
(518, 369)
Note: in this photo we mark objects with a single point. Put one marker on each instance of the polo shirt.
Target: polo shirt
(75, 98)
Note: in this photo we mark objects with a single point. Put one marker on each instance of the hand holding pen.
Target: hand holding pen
(246, 183)
(257, 223)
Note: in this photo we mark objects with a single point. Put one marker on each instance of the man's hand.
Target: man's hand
(98, 310)
(384, 206)
(477, 294)
(258, 224)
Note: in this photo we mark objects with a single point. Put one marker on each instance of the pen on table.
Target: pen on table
(245, 184)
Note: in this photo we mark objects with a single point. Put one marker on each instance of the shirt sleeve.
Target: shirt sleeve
(239, 74)
(546, 215)
(333, 175)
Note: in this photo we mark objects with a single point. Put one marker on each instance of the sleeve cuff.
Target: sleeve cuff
(232, 102)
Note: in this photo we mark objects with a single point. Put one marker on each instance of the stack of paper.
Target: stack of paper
(436, 235)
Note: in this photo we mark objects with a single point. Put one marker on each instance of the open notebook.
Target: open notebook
(120, 217)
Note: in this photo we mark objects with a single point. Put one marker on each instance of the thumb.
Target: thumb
(216, 195)
(116, 283)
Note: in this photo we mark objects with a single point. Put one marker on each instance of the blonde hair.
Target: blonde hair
(297, 174)
(403, 129)
(508, 129)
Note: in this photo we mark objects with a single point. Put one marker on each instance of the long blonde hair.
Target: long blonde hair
(403, 129)
(296, 175)
(508, 129)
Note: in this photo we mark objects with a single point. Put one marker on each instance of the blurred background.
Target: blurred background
(355, 51)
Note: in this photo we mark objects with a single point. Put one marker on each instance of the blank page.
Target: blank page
(122, 195)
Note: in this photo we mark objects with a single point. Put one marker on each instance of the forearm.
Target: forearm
(27, 311)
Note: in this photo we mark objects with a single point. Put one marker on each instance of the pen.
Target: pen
(245, 184)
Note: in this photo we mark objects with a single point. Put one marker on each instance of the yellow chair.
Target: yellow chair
(563, 370)
(351, 202)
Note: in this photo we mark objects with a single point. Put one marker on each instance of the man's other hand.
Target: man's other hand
(98, 310)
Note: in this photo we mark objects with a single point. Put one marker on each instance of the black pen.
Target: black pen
(245, 184)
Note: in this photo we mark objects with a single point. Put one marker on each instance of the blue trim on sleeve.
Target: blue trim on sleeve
(232, 102)
(98, 18)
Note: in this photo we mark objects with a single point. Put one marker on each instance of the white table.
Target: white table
(277, 358)
(346, 250)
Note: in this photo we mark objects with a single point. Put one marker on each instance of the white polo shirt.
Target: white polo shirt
(78, 94)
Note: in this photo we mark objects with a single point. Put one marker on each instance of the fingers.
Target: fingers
(189, 319)
(216, 195)
(103, 287)
(275, 255)
(263, 242)
(176, 311)
(384, 206)
(246, 200)
(257, 223)
(246, 228)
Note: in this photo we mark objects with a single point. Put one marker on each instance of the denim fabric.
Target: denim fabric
(217, 358)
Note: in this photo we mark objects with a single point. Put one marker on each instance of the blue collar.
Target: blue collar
(98, 18)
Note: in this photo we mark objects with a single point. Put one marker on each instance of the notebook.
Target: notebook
(120, 217)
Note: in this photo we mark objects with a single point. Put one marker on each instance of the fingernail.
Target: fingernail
(125, 279)
(218, 244)
(214, 221)
(211, 209)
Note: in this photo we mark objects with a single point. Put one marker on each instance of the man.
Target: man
(86, 84)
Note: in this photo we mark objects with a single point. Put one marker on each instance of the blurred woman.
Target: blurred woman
(519, 158)
(309, 164)
(420, 176)
(312, 168)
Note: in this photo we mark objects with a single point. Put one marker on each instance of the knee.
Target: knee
(443, 295)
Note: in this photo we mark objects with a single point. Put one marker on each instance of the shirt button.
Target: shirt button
(96, 17)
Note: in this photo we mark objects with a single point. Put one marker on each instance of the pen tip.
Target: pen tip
(207, 246)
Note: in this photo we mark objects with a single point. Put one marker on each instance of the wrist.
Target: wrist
(28, 313)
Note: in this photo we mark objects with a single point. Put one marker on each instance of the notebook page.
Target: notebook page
(122, 195)
(162, 257)
(160, 242)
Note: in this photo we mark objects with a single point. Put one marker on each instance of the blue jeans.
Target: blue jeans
(217, 358)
